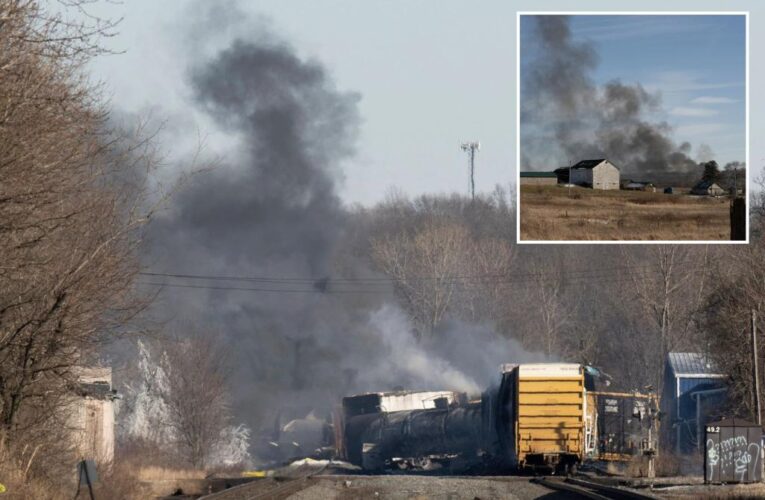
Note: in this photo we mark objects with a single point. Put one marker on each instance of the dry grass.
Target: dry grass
(155, 473)
(549, 213)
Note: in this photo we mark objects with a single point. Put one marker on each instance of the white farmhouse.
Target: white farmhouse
(597, 174)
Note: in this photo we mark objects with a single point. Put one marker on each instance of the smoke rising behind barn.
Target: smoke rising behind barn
(597, 87)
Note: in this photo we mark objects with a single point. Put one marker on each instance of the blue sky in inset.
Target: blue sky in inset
(696, 62)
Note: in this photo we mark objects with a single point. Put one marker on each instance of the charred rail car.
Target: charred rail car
(535, 418)
(624, 425)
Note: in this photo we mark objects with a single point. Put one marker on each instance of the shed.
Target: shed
(562, 174)
(597, 174)
(688, 376)
(538, 179)
(707, 188)
(732, 452)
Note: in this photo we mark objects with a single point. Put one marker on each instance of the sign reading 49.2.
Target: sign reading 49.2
(713, 429)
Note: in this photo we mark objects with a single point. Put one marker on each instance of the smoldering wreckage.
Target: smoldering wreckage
(551, 417)
(540, 417)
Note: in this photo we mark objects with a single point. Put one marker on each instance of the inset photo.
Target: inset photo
(632, 127)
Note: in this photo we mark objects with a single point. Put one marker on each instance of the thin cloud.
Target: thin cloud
(681, 111)
(713, 100)
(608, 29)
(699, 129)
(685, 81)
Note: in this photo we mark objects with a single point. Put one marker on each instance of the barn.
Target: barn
(597, 174)
(707, 188)
(538, 179)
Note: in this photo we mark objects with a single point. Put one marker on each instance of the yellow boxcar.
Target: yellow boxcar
(549, 414)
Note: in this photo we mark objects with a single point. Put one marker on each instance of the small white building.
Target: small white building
(707, 188)
(597, 174)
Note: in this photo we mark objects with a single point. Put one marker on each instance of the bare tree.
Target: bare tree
(669, 286)
(739, 289)
(196, 395)
(424, 266)
(73, 203)
(176, 404)
(484, 297)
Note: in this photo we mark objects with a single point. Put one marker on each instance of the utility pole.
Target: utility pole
(568, 184)
(756, 369)
(471, 148)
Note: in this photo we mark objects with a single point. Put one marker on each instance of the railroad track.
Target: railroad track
(267, 488)
(592, 489)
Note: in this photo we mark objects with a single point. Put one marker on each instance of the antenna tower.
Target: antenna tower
(471, 148)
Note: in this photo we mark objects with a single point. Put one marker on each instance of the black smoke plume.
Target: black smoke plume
(561, 105)
(271, 210)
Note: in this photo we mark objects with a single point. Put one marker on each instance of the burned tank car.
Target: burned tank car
(533, 419)
(408, 425)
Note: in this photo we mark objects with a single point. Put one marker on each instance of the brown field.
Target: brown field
(549, 213)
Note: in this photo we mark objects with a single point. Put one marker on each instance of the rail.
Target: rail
(593, 490)
(286, 487)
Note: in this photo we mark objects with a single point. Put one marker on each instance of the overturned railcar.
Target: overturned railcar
(534, 418)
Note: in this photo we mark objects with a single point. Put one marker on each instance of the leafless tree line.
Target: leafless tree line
(623, 308)
(73, 201)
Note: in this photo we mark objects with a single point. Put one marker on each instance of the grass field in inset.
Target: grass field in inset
(557, 213)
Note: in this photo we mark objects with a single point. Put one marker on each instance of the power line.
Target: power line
(591, 277)
(273, 290)
(490, 278)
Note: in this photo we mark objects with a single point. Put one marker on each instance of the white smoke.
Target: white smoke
(407, 359)
(460, 356)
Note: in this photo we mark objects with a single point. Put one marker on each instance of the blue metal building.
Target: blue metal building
(694, 388)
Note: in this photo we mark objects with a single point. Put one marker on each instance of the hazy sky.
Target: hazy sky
(696, 64)
(431, 73)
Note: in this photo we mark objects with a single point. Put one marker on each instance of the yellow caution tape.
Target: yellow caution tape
(254, 473)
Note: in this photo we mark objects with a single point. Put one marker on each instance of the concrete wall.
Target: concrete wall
(539, 181)
(92, 421)
(605, 176)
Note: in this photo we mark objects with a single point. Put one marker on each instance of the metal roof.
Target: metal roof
(98, 390)
(733, 422)
(589, 163)
(692, 363)
(538, 174)
(706, 185)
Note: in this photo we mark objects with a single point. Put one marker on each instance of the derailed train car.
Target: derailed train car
(535, 418)
(624, 425)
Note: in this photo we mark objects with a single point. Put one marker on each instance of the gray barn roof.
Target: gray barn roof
(692, 363)
(706, 185)
(589, 163)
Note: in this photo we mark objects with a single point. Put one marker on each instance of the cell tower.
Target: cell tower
(471, 148)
